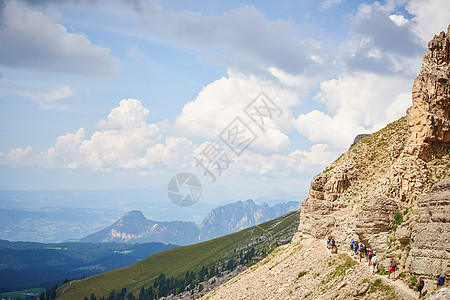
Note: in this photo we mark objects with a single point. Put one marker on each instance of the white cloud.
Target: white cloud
(19, 155)
(292, 165)
(129, 114)
(36, 41)
(51, 99)
(383, 42)
(398, 19)
(430, 17)
(356, 103)
(176, 155)
(66, 151)
(219, 103)
(125, 141)
(58, 94)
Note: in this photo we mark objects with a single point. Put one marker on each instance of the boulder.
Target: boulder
(362, 289)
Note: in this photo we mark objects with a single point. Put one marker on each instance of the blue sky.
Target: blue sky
(126, 94)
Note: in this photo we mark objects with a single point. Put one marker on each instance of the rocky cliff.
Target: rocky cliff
(236, 216)
(377, 191)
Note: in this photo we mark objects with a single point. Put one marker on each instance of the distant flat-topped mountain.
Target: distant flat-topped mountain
(134, 227)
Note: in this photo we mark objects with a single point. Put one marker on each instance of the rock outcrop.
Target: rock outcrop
(374, 192)
(358, 138)
(429, 116)
(430, 247)
(375, 220)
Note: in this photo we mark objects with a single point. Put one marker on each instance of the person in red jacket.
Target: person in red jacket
(392, 268)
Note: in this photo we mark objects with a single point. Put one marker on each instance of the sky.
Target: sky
(254, 98)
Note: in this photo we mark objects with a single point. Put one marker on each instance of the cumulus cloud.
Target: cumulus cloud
(129, 114)
(36, 41)
(386, 44)
(20, 155)
(295, 164)
(430, 17)
(125, 141)
(219, 103)
(398, 19)
(355, 104)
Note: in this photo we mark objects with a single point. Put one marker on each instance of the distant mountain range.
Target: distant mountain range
(133, 227)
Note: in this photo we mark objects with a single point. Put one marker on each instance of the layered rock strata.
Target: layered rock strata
(430, 247)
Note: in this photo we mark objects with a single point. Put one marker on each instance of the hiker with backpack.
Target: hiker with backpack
(361, 251)
(440, 280)
(355, 248)
(374, 262)
(392, 268)
(420, 284)
(370, 255)
(352, 244)
(333, 246)
(329, 242)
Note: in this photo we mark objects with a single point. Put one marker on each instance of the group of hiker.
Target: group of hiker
(358, 250)
(440, 281)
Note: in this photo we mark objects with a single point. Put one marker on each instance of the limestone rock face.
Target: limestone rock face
(429, 116)
(317, 209)
(375, 220)
(430, 248)
(386, 173)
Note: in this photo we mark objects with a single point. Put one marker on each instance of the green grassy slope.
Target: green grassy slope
(175, 262)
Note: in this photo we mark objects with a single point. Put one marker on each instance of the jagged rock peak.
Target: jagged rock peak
(429, 116)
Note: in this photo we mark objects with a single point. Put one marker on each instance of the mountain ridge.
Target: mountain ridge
(134, 227)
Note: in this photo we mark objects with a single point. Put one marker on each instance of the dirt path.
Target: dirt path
(404, 290)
